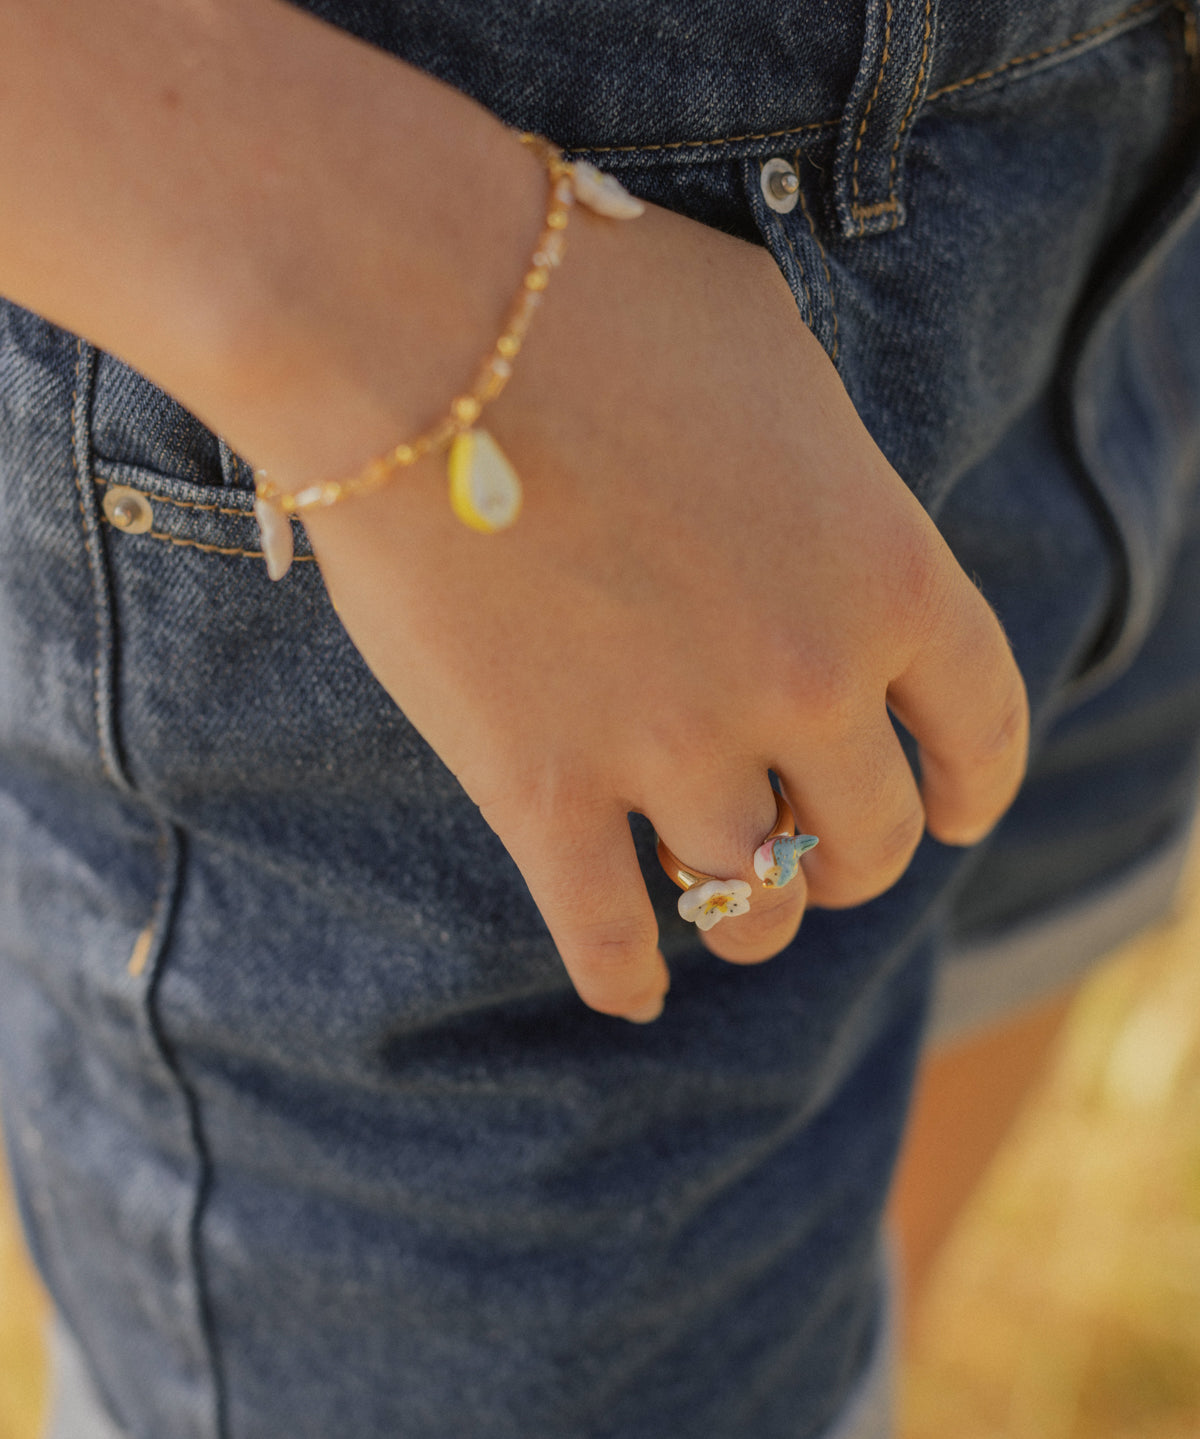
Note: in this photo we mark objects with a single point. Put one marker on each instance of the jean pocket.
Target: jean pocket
(148, 506)
(133, 422)
(162, 475)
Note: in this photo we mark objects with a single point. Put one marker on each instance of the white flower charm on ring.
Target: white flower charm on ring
(707, 904)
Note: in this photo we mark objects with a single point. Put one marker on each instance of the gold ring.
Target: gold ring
(706, 899)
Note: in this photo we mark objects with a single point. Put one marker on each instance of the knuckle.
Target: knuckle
(824, 688)
(1008, 732)
(897, 846)
(521, 793)
(609, 962)
(922, 598)
(842, 886)
(668, 734)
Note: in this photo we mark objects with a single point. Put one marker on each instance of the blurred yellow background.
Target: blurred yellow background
(1067, 1304)
(22, 1307)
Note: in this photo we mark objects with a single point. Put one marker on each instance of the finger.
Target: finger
(586, 881)
(716, 827)
(862, 801)
(963, 700)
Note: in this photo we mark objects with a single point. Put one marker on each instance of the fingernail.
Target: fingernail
(648, 1014)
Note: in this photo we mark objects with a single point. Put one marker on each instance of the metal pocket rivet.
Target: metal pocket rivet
(128, 509)
(780, 186)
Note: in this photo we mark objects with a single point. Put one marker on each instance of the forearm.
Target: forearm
(182, 183)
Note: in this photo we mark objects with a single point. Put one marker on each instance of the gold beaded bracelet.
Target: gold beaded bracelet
(485, 492)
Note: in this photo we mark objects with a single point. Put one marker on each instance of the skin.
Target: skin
(969, 1094)
(223, 227)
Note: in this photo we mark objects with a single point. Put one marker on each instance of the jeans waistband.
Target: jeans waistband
(691, 81)
(857, 82)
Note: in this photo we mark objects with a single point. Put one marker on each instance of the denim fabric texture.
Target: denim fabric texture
(310, 1133)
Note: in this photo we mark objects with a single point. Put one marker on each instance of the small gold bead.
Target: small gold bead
(441, 435)
(493, 374)
(523, 315)
(493, 379)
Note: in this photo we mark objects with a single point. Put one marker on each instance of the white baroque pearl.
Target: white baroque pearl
(603, 193)
(485, 492)
(278, 543)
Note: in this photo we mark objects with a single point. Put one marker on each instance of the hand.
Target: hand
(716, 574)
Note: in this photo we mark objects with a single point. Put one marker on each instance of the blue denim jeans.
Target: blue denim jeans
(310, 1133)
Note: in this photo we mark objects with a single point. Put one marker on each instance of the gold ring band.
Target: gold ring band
(687, 878)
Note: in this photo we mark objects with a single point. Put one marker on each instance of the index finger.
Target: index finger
(586, 881)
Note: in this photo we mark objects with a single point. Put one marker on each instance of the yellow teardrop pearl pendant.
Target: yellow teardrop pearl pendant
(485, 492)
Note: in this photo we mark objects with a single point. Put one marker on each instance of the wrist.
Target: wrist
(377, 270)
(271, 219)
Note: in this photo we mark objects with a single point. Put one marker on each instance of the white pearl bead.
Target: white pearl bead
(278, 543)
(604, 194)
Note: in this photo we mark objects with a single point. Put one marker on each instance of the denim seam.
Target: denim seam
(833, 349)
(912, 103)
(168, 856)
(172, 849)
(106, 736)
(244, 513)
(857, 210)
(701, 144)
(83, 517)
(217, 549)
(1079, 38)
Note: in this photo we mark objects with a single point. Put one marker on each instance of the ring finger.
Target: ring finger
(715, 833)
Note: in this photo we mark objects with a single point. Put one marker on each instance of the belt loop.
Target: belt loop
(892, 78)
